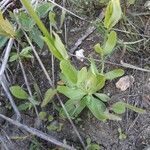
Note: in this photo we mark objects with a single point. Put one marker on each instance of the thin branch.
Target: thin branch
(38, 133)
(67, 10)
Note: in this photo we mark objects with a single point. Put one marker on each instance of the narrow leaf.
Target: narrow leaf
(114, 74)
(110, 43)
(48, 96)
(102, 96)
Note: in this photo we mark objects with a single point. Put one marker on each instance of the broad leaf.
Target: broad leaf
(114, 74)
(43, 8)
(69, 71)
(119, 108)
(113, 14)
(110, 43)
(48, 96)
(74, 94)
(102, 96)
(97, 108)
(100, 82)
(13, 57)
(74, 108)
(36, 34)
(6, 29)
(98, 49)
(18, 92)
(25, 21)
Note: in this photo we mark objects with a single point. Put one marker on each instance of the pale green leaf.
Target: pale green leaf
(114, 74)
(74, 94)
(110, 43)
(98, 49)
(52, 48)
(74, 108)
(97, 108)
(6, 29)
(113, 14)
(42, 115)
(18, 92)
(48, 96)
(82, 75)
(60, 46)
(119, 108)
(102, 96)
(69, 71)
(13, 57)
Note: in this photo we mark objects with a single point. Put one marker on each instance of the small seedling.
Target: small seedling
(92, 146)
(122, 136)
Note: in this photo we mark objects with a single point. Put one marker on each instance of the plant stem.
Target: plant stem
(35, 17)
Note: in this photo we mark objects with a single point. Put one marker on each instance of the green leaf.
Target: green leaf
(35, 34)
(60, 46)
(6, 29)
(110, 43)
(24, 106)
(98, 49)
(82, 75)
(43, 8)
(74, 94)
(134, 108)
(18, 92)
(93, 67)
(113, 14)
(131, 2)
(69, 71)
(114, 74)
(97, 107)
(48, 96)
(3, 40)
(13, 57)
(52, 18)
(119, 108)
(102, 96)
(25, 21)
(74, 108)
(63, 15)
(100, 82)
(52, 48)
(42, 115)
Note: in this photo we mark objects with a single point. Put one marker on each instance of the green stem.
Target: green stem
(35, 17)
(102, 64)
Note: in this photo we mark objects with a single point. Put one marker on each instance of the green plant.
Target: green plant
(82, 86)
(122, 136)
(21, 94)
(92, 146)
(24, 54)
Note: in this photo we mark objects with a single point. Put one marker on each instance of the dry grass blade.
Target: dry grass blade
(38, 133)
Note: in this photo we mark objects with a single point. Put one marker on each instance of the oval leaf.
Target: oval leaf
(97, 107)
(75, 94)
(69, 71)
(18, 92)
(119, 108)
(102, 96)
(114, 74)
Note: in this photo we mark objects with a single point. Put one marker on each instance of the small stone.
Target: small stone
(125, 82)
